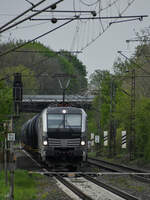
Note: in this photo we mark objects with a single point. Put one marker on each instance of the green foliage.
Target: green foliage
(122, 113)
(37, 46)
(5, 107)
(76, 63)
(79, 70)
(5, 101)
(6, 93)
(38, 64)
(101, 82)
(27, 76)
(142, 102)
(42, 60)
(4, 190)
(142, 128)
(66, 65)
(71, 65)
(96, 79)
(92, 125)
(100, 113)
(25, 186)
(102, 103)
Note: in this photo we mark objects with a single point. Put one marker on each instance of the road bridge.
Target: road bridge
(35, 103)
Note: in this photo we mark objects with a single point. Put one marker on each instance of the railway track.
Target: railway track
(88, 188)
(140, 175)
(73, 188)
(85, 186)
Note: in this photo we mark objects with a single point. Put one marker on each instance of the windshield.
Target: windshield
(64, 120)
(73, 120)
(55, 121)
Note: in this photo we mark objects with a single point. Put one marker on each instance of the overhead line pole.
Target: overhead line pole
(112, 130)
(132, 116)
(132, 113)
(11, 26)
(21, 14)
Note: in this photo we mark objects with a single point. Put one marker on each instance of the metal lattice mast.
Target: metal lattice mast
(112, 132)
(132, 118)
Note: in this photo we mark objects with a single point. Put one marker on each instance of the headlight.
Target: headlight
(82, 143)
(45, 143)
(64, 111)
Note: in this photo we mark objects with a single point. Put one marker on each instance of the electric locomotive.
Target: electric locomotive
(58, 134)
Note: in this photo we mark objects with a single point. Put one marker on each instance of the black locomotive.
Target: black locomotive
(58, 134)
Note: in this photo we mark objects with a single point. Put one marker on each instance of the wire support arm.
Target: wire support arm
(85, 18)
(128, 20)
(27, 18)
(21, 14)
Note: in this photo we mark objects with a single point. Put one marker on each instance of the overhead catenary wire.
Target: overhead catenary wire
(29, 2)
(29, 17)
(89, 4)
(19, 46)
(33, 6)
(128, 20)
(103, 25)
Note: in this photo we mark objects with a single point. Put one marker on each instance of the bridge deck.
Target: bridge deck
(35, 103)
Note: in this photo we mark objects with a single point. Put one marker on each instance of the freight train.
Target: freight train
(58, 135)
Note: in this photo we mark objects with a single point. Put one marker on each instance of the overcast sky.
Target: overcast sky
(99, 54)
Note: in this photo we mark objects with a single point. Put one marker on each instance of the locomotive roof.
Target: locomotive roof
(68, 109)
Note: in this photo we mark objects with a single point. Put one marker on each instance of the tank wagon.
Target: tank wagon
(58, 134)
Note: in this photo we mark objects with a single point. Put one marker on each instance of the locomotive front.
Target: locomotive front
(65, 138)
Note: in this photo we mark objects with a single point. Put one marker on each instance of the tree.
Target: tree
(142, 129)
(28, 77)
(44, 61)
(5, 107)
(100, 81)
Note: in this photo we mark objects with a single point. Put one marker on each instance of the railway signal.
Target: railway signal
(17, 92)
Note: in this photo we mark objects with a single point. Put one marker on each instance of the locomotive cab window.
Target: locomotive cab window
(64, 121)
(73, 121)
(55, 121)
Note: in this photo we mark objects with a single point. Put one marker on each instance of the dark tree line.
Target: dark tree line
(43, 63)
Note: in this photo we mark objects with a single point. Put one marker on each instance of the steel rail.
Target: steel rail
(73, 188)
(122, 168)
(111, 189)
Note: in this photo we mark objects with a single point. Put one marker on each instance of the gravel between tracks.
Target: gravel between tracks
(128, 184)
(48, 190)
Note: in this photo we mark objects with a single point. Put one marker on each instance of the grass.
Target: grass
(3, 189)
(25, 186)
(92, 154)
